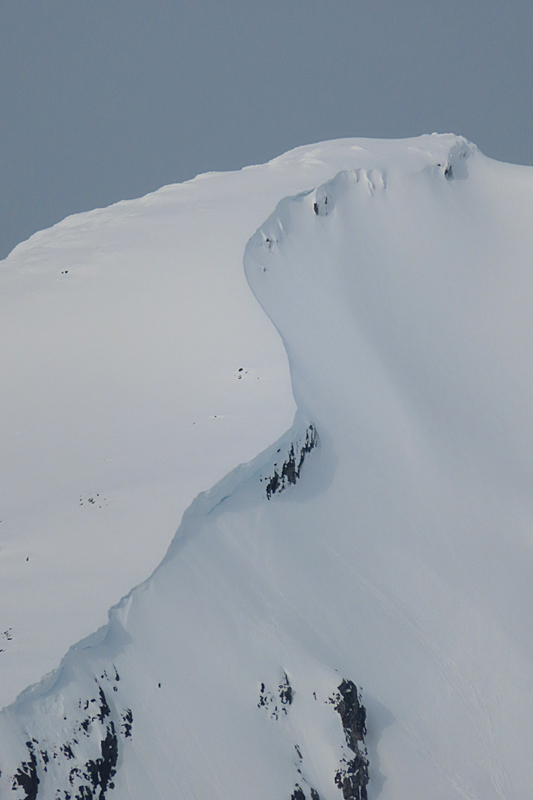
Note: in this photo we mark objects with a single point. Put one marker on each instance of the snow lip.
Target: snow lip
(306, 152)
(444, 151)
(443, 154)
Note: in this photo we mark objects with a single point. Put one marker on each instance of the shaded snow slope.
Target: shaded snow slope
(380, 550)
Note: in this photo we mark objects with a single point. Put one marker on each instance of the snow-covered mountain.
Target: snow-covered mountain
(348, 613)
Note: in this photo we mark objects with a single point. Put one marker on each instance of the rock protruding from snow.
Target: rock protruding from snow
(402, 556)
(290, 470)
(352, 776)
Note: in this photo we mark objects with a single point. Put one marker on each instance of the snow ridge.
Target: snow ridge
(68, 735)
(343, 615)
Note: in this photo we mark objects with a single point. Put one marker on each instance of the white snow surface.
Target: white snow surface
(137, 370)
(401, 559)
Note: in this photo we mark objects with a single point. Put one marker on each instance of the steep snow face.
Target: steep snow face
(404, 302)
(377, 557)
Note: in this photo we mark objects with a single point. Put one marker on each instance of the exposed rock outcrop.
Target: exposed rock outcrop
(352, 776)
(292, 466)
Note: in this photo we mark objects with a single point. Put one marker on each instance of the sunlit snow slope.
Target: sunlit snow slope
(136, 370)
(380, 553)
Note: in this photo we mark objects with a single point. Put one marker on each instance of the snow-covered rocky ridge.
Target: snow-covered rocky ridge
(137, 370)
(376, 557)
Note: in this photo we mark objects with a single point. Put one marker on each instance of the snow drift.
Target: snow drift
(348, 614)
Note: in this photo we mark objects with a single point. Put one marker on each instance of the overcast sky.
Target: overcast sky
(102, 100)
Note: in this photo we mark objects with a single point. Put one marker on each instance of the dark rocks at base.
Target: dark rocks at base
(74, 777)
(127, 723)
(352, 714)
(299, 794)
(85, 723)
(99, 772)
(268, 701)
(292, 466)
(67, 750)
(352, 777)
(26, 776)
(105, 711)
(285, 692)
(264, 697)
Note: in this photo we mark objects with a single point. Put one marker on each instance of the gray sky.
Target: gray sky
(102, 100)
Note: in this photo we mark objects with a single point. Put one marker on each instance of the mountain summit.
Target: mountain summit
(347, 614)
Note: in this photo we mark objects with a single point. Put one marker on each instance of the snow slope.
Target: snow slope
(137, 370)
(384, 542)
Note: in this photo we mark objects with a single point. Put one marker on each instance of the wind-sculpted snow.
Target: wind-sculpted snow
(347, 615)
(138, 370)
